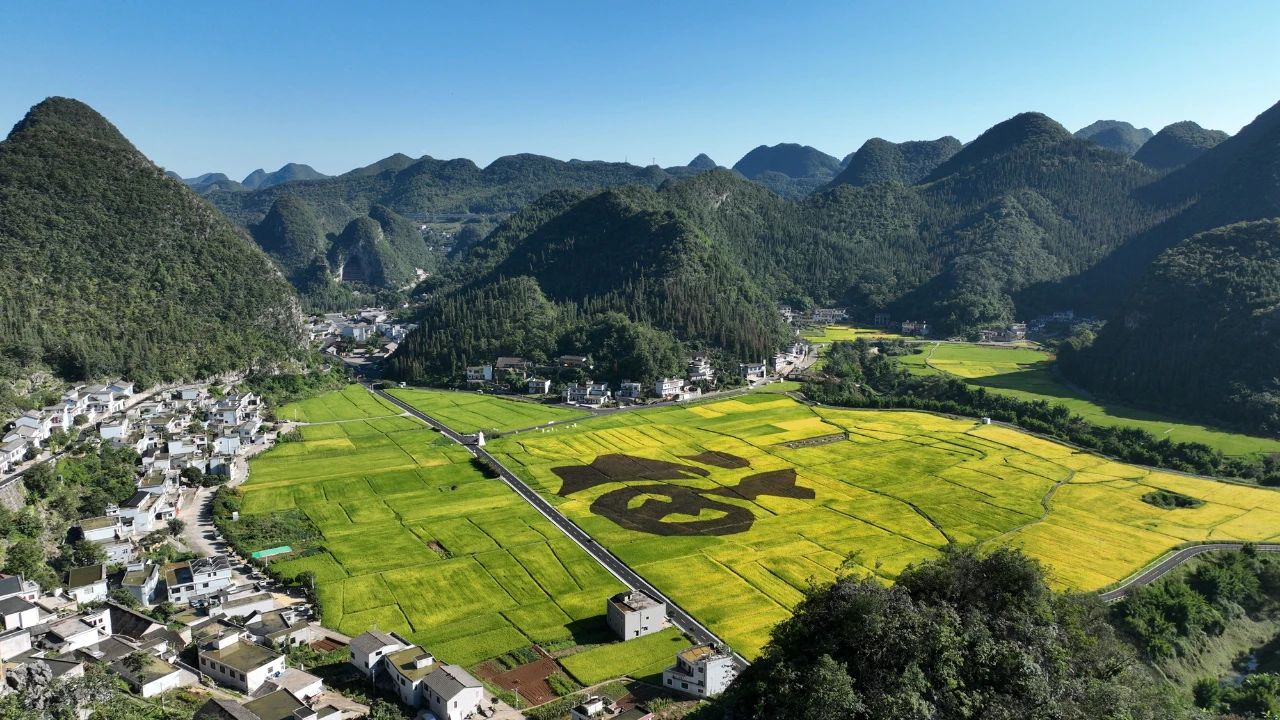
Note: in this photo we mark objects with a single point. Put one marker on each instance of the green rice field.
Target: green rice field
(832, 333)
(734, 508)
(417, 540)
(1025, 373)
(352, 403)
(472, 412)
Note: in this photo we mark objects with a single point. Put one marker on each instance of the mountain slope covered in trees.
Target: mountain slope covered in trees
(290, 172)
(1116, 135)
(1178, 144)
(879, 161)
(114, 268)
(1201, 332)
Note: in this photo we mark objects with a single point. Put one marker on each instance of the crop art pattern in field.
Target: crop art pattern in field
(734, 508)
(648, 506)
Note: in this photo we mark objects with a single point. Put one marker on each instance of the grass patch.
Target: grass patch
(473, 412)
(1167, 500)
(626, 658)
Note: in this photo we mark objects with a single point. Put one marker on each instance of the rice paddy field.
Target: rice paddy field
(735, 507)
(353, 402)
(832, 333)
(417, 540)
(472, 412)
(1025, 373)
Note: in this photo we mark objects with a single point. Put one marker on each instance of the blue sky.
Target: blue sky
(338, 85)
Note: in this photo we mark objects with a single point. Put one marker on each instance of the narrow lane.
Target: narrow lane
(681, 619)
(1162, 567)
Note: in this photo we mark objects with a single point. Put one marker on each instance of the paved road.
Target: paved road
(629, 577)
(1158, 570)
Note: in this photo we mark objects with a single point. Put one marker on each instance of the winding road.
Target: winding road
(681, 619)
(1172, 560)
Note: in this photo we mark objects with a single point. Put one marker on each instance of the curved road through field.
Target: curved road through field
(629, 577)
(1161, 567)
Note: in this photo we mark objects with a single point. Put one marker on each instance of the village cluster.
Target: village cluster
(700, 376)
(367, 335)
(449, 692)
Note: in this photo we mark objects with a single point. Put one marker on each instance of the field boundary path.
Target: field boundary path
(681, 619)
(1169, 561)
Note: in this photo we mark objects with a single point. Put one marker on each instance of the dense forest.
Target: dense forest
(112, 268)
(966, 636)
(1117, 135)
(1201, 333)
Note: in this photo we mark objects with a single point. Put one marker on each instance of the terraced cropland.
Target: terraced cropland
(417, 540)
(1025, 373)
(352, 403)
(471, 412)
(734, 507)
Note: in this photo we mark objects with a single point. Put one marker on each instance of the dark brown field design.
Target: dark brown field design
(664, 499)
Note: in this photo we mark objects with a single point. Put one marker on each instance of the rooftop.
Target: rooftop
(402, 661)
(278, 705)
(633, 600)
(87, 575)
(242, 656)
(698, 652)
(13, 605)
(97, 523)
(370, 640)
(138, 576)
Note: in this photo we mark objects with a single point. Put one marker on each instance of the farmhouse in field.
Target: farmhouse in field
(448, 691)
(370, 647)
(593, 394)
(702, 671)
(537, 386)
(700, 370)
(634, 613)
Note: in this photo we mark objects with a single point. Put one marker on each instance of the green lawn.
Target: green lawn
(466, 412)
(415, 539)
(1026, 374)
(632, 658)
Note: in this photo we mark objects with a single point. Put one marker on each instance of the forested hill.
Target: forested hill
(290, 172)
(1116, 135)
(112, 267)
(1201, 333)
(705, 258)
(379, 249)
(789, 169)
(428, 186)
(620, 275)
(879, 161)
(1178, 144)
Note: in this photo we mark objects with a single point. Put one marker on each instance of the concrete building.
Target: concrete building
(237, 663)
(702, 671)
(537, 386)
(87, 584)
(186, 581)
(634, 613)
(370, 647)
(141, 580)
(18, 614)
(448, 691)
(667, 388)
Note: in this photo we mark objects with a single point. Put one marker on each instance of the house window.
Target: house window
(684, 686)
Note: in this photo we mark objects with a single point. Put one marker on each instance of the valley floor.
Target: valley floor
(732, 507)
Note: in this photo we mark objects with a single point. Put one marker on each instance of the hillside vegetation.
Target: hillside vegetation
(112, 268)
(1202, 331)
